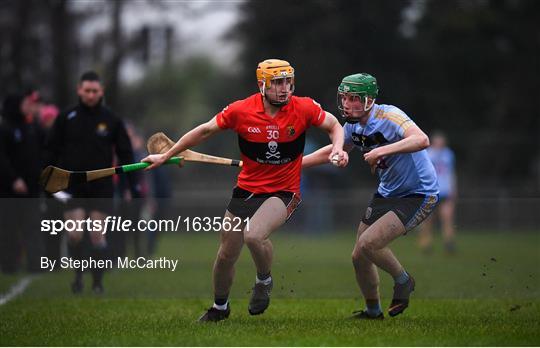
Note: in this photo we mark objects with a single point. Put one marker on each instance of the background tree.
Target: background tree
(462, 67)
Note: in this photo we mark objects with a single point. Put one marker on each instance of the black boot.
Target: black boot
(99, 254)
(76, 253)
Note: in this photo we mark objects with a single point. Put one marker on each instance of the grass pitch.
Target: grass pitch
(487, 294)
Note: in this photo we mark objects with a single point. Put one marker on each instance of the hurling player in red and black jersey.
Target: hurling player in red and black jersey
(271, 127)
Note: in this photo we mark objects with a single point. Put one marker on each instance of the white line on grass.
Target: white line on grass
(16, 290)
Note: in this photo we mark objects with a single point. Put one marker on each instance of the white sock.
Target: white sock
(222, 307)
(267, 281)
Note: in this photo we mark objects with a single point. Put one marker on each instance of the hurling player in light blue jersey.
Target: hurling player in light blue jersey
(394, 147)
(443, 160)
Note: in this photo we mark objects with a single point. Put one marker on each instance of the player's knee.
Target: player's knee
(75, 237)
(97, 239)
(356, 257)
(252, 240)
(359, 258)
(226, 256)
(366, 246)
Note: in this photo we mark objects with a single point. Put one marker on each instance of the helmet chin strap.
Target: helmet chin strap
(351, 120)
(279, 103)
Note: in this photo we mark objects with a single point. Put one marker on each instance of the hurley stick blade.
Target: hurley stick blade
(54, 179)
(159, 143)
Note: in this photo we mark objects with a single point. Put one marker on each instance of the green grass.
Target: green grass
(488, 294)
(290, 322)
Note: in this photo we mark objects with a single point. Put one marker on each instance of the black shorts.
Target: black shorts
(244, 203)
(411, 209)
(92, 196)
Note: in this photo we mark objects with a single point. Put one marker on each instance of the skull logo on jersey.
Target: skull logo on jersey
(272, 150)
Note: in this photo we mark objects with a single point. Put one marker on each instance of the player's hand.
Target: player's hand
(19, 186)
(339, 158)
(372, 157)
(154, 160)
(375, 159)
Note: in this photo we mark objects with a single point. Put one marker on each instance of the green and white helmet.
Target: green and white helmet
(363, 85)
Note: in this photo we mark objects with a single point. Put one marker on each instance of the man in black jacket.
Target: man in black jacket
(85, 137)
(21, 140)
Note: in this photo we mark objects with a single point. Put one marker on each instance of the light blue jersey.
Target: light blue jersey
(399, 174)
(443, 161)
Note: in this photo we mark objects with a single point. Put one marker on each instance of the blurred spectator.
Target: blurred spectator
(86, 137)
(130, 203)
(48, 114)
(52, 208)
(21, 140)
(443, 161)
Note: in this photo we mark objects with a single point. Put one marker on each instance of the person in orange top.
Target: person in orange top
(271, 127)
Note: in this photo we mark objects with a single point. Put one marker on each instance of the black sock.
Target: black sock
(263, 276)
(76, 252)
(220, 301)
(99, 253)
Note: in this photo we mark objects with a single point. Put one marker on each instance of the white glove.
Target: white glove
(62, 196)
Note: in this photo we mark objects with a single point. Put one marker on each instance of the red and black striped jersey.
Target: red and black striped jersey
(271, 147)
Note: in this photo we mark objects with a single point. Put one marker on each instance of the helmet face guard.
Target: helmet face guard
(361, 86)
(269, 72)
(264, 89)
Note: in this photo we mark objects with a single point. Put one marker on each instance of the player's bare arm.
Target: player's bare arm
(192, 138)
(335, 131)
(321, 156)
(414, 140)
(318, 157)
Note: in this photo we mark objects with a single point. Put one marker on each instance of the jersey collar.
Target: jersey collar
(372, 114)
(259, 105)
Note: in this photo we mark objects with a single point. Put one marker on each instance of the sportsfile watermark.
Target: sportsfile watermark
(120, 224)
